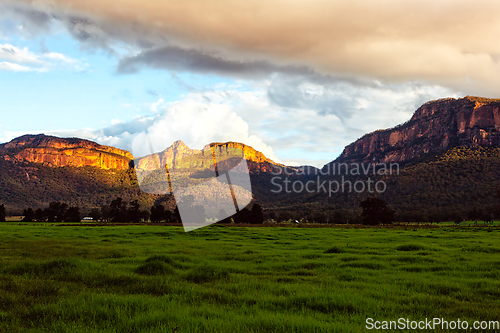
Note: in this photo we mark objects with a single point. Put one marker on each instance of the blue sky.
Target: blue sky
(297, 82)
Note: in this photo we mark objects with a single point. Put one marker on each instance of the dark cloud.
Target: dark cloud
(417, 40)
(81, 29)
(32, 21)
(34, 18)
(180, 59)
(326, 95)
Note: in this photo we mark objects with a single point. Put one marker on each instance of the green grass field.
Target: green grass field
(222, 279)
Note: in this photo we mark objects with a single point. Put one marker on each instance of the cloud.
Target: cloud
(316, 122)
(426, 41)
(179, 59)
(25, 21)
(21, 59)
(11, 67)
(197, 120)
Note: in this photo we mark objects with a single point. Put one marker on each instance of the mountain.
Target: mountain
(38, 169)
(434, 128)
(180, 156)
(63, 152)
(447, 164)
(59, 152)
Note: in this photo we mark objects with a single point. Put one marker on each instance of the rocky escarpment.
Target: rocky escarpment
(434, 127)
(256, 160)
(59, 152)
(179, 156)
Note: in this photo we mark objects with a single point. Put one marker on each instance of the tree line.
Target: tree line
(374, 211)
(55, 212)
(120, 211)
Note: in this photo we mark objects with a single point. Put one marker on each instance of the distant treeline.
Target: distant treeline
(371, 211)
(56, 212)
(335, 215)
(119, 211)
(2, 213)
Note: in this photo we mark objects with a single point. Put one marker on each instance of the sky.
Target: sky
(297, 80)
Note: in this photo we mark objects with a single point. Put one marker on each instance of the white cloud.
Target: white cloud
(22, 59)
(9, 66)
(198, 119)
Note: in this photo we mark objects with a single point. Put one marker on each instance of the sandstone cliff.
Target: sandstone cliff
(179, 156)
(434, 127)
(59, 152)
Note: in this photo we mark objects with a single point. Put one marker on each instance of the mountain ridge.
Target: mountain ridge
(60, 152)
(434, 127)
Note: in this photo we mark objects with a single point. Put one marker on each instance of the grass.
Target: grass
(220, 279)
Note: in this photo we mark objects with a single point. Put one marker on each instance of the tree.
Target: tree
(39, 215)
(145, 214)
(475, 214)
(2, 213)
(243, 216)
(176, 215)
(55, 212)
(257, 214)
(157, 213)
(29, 215)
(73, 215)
(95, 214)
(134, 212)
(191, 212)
(105, 213)
(376, 211)
(118, 210)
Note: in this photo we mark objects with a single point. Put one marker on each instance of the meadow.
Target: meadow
(231, 279)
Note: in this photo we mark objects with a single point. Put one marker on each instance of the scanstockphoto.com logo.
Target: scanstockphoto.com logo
(209, 185)
(334, 178)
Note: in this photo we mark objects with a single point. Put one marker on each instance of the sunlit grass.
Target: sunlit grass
(220, 279)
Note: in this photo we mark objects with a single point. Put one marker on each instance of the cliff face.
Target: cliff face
(256, 161)
(434, 127)
(179, 156)
(59, 152)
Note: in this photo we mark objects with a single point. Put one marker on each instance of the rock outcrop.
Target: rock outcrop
(435, 127)
(179, 156)
(60, 152)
